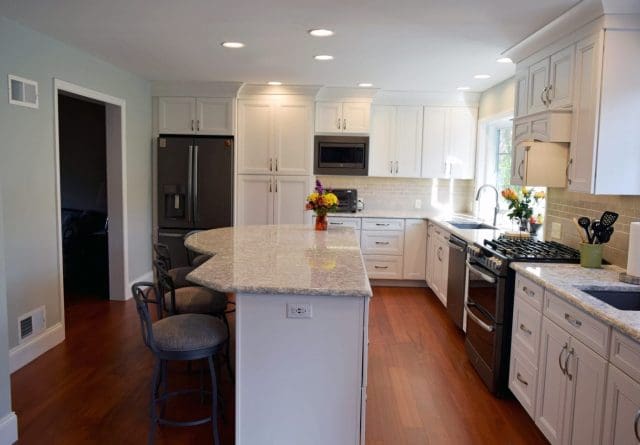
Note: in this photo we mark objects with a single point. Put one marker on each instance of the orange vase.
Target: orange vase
(321, 222)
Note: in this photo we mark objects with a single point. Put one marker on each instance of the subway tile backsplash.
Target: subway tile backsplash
(401, 193)
(563, 205)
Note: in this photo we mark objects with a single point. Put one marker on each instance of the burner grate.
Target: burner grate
(524, 249)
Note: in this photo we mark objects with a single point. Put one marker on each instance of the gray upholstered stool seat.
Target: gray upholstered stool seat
(179, 276)
(196, 300)
(189, 332)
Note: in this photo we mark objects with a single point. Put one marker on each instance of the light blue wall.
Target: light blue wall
(5, 384)
(27, 173)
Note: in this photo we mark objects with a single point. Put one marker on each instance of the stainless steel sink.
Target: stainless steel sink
(470, 225)
(620, 299)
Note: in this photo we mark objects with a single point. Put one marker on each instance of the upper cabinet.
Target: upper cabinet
(191, 115)
(396, 141)
(521, 85)
(449, 142)
(275, 137)
(550, 82)
(342, 117)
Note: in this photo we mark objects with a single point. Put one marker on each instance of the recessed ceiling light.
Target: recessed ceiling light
(504, 60)
(365, 84)
(321, 32)
(233, 45)
(323, 57)
(481, 76)
(274, 83)
(463, 88)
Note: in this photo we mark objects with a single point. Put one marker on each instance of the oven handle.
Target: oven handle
(479, 322)
(484, 276)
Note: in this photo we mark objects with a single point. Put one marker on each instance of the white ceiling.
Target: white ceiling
(432, 45)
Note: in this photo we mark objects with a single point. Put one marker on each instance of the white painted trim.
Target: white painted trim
(9, 429)
(28, 351)
(148, 276)
(160, 88)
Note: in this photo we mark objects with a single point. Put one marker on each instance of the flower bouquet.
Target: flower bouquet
(521, 204)
(321, 202)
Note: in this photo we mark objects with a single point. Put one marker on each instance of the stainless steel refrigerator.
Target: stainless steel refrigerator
(195, 188)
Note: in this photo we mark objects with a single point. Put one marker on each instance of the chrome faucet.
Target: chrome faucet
(497, 208)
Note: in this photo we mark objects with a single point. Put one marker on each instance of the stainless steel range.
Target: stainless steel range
(489, 306)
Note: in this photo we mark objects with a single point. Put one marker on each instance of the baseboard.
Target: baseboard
(398, 283)
(34, 348)
(9, 429)
(148, 276)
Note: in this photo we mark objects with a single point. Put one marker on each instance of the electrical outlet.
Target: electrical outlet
(418, 204)
(556, 230)
(299, 310)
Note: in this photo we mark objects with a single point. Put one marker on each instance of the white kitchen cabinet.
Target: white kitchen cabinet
(383, 267)
(621, 424)
(415, 249)
(538, 82)
(551, 81)
(196, 115)
(382, 242)
(396, 141)
(449, 142)
(437, 270)
(269, 199)
(521, 90)
(342, 117)
(275, 137)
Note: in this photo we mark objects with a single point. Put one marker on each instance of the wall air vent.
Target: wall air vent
(23, 92)
(31, 324)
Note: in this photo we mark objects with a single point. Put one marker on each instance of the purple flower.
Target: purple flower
(319, 188)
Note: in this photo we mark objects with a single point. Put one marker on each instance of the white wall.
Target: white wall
(497, 100)
(27, 174)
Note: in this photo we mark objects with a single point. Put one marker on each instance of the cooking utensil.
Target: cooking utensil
(595, 226)
(608, 218)
(585, 222)
(583, 238)
(606, 235)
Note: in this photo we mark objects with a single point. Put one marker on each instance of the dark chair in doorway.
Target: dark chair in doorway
(184, 337)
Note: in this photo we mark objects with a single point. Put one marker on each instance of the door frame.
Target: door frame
(116, 148)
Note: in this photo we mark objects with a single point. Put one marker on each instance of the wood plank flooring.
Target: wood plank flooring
(94, 387)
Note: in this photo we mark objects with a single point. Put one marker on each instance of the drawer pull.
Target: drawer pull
(384, 243)
(574, 321)
(380, 267)
(529, 292)
(336, 223)
(564, 348)
(521, 380)
(566, 363)
(382, 224)
(635, 425)
(525, 330)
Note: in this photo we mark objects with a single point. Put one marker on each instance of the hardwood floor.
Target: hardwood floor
(94, 387)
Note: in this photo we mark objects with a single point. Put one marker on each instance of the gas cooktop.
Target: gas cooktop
(532, 249)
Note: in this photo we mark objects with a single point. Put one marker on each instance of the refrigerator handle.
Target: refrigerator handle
(190, 186)
(195, 185)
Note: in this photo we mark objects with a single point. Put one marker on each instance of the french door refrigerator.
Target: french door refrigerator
(195, 188)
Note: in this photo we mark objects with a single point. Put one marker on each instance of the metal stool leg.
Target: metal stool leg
(228, 348)
(163, 383)
(214, 402)
(152, 407)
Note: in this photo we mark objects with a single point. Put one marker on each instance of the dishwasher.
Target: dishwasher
(457, 279)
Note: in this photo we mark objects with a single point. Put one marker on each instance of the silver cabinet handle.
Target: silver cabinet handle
(380, 267)
(382, 243)
(270, 164)
(569, 164)
(439, 254)
(477, 320)
(192, 128)
(391, 167)
(276, 164)
(396, 167)
(520, 169)
(635, 425)
(524, 329)
(549, 88)
(270, 183)
(275, 185)
(529, 292)
(574, 321)
(338, 123)
(564, 348)
(198, 125)
(521, 380)
(336, 223)
(344, 123)
(542, 93)
(566, 363)
(382, 224)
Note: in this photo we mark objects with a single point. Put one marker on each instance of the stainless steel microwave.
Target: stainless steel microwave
(341, 155)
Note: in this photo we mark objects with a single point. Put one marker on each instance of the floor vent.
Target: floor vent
(32, 323)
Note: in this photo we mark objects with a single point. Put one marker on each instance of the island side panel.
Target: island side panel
(300, 380)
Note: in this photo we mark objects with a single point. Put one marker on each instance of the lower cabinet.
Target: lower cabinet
(437, 268)
(383, 248)
(269, 199)
(622, 413)
(415, 249)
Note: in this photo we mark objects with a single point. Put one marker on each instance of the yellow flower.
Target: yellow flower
(539, 195)
(313, 197)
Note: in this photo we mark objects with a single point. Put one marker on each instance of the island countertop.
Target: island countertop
(281, 259)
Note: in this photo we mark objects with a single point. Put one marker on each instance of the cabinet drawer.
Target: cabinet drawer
(625, 354)
(382, 224)
(527, 322)
(382, 243)
(337, 221)
(578, 323)
(383, 266)
(529, 291)
(436, 230)
(522, 380)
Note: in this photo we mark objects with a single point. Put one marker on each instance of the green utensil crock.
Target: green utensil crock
(591, 255)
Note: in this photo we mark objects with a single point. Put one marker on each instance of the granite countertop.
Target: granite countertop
(282, 259)
(568, 280)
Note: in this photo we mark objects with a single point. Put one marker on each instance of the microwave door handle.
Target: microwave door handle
(484, 276)
(477, 320)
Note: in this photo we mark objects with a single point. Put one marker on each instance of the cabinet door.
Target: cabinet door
(443, 275)
(587, 374)
(255, 137)
(552, 382)
(561, 78)
(434, 142)
(289, 199)
(408, 142)
(255, 200)
(431, 261)
(356, 117)
(176, 115)
(328, 117)
(415, 249)
(294, 139)
(585, 109)
(538, 81)
(462, 142)
(518, 166)
(521, 80)
(215, 116)
(621, 426)
(381, 143)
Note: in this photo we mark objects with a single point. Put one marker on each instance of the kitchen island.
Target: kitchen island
(302, 302)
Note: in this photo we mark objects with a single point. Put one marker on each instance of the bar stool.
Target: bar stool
(178, 274)
(185, 337)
